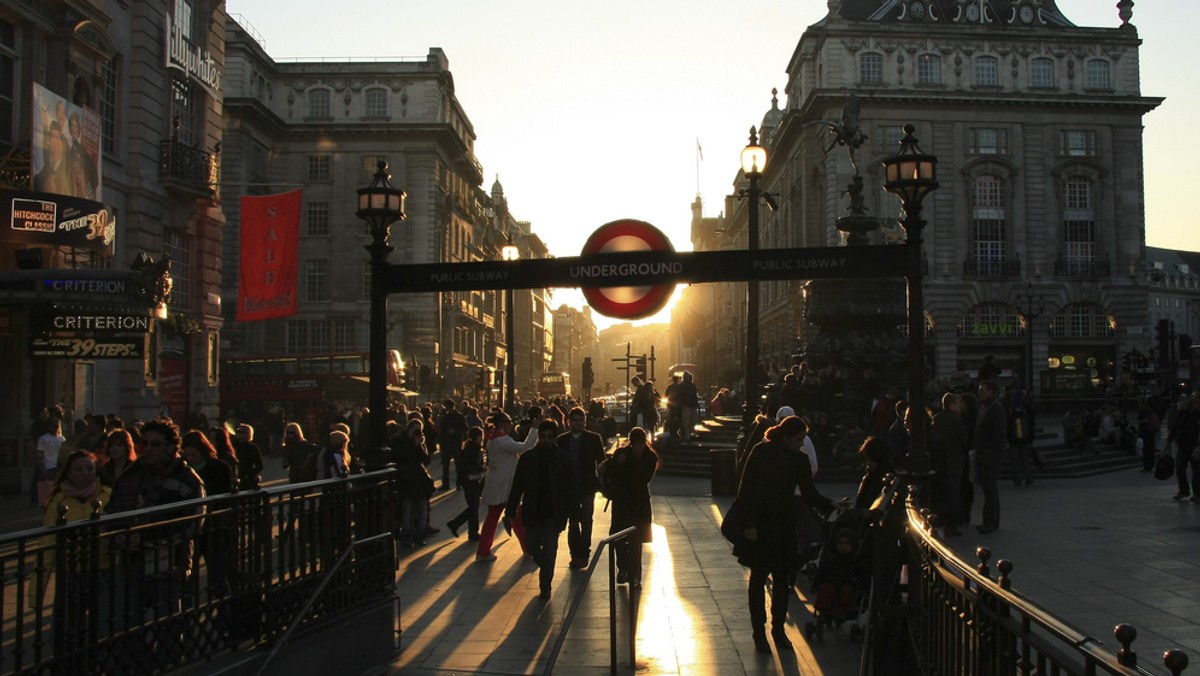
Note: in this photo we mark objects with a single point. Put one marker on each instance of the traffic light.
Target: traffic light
(639, 364)
(589, 376)
(484, 378)
(1162, 338)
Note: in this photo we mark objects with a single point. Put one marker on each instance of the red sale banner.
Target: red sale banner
(270, 248)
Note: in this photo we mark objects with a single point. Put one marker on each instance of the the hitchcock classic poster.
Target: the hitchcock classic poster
(270, 248)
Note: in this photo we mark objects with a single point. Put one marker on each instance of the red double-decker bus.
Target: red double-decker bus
(301, 384)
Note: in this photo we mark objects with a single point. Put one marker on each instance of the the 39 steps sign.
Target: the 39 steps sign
(88, 348)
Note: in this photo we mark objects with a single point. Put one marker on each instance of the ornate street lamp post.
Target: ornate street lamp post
(379, 204)
(754, 159)
(911, 175)
(510, 253)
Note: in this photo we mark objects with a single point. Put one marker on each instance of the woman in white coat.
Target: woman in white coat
(502, 453)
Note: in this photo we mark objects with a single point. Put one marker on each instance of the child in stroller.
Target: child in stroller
(840, 578)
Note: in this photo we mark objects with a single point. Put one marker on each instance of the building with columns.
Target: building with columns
(1035, 247)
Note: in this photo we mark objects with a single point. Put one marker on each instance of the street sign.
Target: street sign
(651, 268)
(627, 302)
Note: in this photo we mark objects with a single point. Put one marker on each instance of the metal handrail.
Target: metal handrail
(1012, 612)
(312, 598)
(612, 605)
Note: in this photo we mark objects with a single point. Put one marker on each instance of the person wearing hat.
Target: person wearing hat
(502, 453)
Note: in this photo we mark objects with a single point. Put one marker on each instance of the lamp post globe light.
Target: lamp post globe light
(754, 159)
(509, 252)
(379, 204)
(911, 175)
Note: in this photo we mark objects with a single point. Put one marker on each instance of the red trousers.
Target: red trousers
(487, 533)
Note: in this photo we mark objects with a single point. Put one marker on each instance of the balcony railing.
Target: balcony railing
(188, 169)
(1066, 268)
(973, 267)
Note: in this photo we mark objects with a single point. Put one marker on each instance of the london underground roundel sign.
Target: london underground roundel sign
(627, 302)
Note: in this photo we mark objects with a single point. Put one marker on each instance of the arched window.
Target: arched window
(1078, 226)
(870, 67)
(319, 103)
(987, 71)
(1082, 320)
(988, 225)
(1041, 73)
(929, 69)
(376, 102)
(991, 320)
(1098, 75)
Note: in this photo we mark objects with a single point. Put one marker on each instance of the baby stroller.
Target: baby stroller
(841, 578)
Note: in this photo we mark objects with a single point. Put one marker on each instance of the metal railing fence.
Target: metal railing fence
(946, 616)
(149, 591)
(634, 595)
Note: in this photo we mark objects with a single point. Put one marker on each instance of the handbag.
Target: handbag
(1164, 466)
(733, 524)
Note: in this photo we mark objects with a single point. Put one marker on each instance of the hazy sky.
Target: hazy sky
(592, 112)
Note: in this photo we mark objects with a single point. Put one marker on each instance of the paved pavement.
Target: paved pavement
(1095, 552)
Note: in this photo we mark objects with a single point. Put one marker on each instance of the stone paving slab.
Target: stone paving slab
(1095, 552)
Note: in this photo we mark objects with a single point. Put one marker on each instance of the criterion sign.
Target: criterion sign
(627, 302)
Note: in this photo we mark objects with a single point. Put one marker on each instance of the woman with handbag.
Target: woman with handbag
(774, 469)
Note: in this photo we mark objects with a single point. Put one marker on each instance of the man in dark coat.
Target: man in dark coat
(991, 445)
(452, 429)
(950, 431)
(586, 451)
(544, 488)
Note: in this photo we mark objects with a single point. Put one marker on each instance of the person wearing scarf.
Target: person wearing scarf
(502, 454)
(77, 488)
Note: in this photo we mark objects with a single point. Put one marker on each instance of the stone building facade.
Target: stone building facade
(1039, 223)
(322, 127)
(151, 76)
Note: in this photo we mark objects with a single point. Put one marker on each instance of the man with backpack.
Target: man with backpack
(1020, 439)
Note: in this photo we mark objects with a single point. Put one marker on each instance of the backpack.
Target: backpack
(1020, 431)
(604, 479)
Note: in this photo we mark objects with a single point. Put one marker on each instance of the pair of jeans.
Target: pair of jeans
(781, 591)
(1020, 462)
(542, 538)
(1183, 460)
(987, 466)
(414, 517)
(470, 515)
(487, 533)
(579, 527)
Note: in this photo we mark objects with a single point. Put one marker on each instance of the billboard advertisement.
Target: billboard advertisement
(34, 219)
(66, 146)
